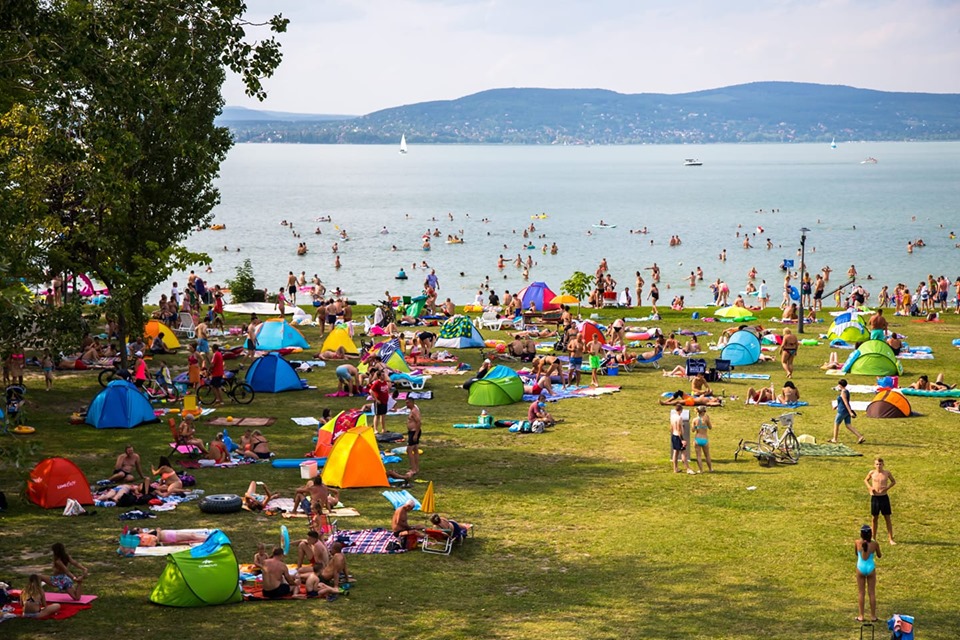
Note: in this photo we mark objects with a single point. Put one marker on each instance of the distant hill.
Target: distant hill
(756, 112)
(243, 114)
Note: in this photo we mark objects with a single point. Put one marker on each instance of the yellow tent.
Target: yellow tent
(326, 432)
(154, 327)
(355, 461)
(339, 337)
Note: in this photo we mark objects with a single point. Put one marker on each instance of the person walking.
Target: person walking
(845, 414)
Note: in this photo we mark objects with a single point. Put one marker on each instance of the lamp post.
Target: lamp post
(803, 248)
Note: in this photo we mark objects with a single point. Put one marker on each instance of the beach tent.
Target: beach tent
(734, 313)
(848, 327)
(742, 349)
(873, 358)
(276, 334)
(339, 337)
(335, 427)
(273, 374)
(459, 333)
(203, 576)
(390, 354)
(415, 308)
(153, 328)
(540, 295)
(889, 404)
(354, 461)
(54, 480)
(587, 329)
(502, 385)
(120, 406)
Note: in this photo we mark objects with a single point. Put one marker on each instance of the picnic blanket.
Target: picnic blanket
(242, 422)
(368, 541)
(827, 449)
(67, 609)
(234, 462)
(161, 550)
(570, 392)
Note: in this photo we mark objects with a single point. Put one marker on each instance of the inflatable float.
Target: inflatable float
(217, 227)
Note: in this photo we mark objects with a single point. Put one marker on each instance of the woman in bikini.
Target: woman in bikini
(257, 501)
(63, 578)
(169, 480)
(255, 445)
(34, 600)
(678, 397)
(701, 426)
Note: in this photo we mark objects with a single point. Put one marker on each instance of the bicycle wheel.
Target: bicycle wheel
(242, 393)
(764, 445)
(106, 377)
(205, 394)
(173, 394)
(791, 447)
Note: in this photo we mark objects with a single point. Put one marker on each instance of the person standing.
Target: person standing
(281, 304)
(701, 425)
(593, 348)
(291, 288)
(216, 375)
(879, 481)
(677, 444)
(845, 413)
(414, 428)
(788, 351)
(575, 347)
(867, 551)
(653, 296)
(380, 390)
(763, 294)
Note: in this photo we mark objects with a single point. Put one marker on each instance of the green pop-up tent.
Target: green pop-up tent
(200, 577)
(873, 358)
(502, 385)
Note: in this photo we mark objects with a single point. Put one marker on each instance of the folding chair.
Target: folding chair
(179, 445)
(723, 369)
(441, 541)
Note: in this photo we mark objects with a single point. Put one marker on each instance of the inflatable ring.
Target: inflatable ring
(794, 294)
(22, 429)
(492, 343)
(284, 538)
(634, 335)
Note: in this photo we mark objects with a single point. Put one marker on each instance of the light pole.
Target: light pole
(803, 248)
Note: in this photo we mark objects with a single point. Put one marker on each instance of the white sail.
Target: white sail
(403, 143)
(833, 143)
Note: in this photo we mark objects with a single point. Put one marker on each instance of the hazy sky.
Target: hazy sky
(358, 56)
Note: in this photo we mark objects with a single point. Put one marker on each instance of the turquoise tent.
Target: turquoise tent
(502, 385)
(273, 374)
(200, 577)
(120, 406)
(276, 334)
(742, 349)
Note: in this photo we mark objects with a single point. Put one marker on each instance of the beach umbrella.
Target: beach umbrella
(564, 298)
(734, 313)
(429, 503)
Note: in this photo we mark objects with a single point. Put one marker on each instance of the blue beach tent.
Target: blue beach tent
(120, 406)
(276, 334)
(742, 349)
(273, 374)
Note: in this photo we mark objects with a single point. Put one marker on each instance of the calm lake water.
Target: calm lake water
(862, 214)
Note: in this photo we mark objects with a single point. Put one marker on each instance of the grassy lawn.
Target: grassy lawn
(581, 532)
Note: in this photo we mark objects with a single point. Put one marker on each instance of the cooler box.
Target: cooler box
(308, 469)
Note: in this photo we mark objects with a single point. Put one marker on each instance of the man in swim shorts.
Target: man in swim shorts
(277, 581)
(879, 481)
(678, 446)
(127, 463)
(593, 348)
(575, 347)
(347, 379)
(414, 429)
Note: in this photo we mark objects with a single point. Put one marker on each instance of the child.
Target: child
(46, 363)
(260, 557)
(63, 579)
(879, 481)
(34, 600)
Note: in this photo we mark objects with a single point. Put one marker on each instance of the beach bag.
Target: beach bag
(128, 545)
(537, 426)
(187, 480)
(73, 508)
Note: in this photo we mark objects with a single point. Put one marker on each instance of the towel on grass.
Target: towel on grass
(585, 391)
(306, 421)
(915, 355)
(242, 422)
(748, 376)
(789, 405)
(827, 449)
(368, 541)
(419, 395)
(862, 388)
(478, 425)
(165, 550)
(67, 609)
(856, 405)
(340, 512)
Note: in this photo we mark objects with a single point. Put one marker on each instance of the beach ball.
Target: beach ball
(229, 418)
(501, 348)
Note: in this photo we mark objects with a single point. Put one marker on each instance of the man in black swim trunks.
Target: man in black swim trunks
(277, 581)
(414, 423)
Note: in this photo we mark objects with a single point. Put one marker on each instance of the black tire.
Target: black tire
(106, 377)
(221, 503)
(205, 394)
(791, 447)
(243, 393)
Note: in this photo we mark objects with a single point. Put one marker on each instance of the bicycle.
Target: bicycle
(238, 391)
(771, 444)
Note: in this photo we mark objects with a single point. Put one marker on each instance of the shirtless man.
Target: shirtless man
(575, 347)
(321, 496)
(879, 481)
(202, 333)
(414, 425)
(878, 326)
(788, 351)
(251, 341)
(277, 581)
(310, 551)
(292, 288)
(593, 348)
(127, 463)
(401, 528)
(324, 581)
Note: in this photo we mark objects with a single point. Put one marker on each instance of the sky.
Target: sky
(354, 57)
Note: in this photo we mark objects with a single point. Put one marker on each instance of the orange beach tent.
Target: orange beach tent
(153, 328)
(355, 461)
(54, 480)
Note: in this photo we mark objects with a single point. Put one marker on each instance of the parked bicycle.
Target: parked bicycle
(776, 440)
(234, 388)
(159, 386)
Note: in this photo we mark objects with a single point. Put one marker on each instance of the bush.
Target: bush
(243, 287)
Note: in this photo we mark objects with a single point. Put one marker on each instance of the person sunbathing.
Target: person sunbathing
(692, 346)
(679, 371)
(832, 363)
(923, 384)
(339, 354)
(400, 526)
(218, 450)
(157, 347)
(650, 355)
(451, 526)
(789, 394)
(322, 497)
(679, 398)
(188, 434)
(170, 482)
(257, 501)
(758, 396)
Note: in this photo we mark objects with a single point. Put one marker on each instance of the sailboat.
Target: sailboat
(833, 143)
(403, 143)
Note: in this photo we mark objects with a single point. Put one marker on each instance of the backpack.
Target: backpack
(187, 480)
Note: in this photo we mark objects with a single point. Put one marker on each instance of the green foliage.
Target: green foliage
(577, 285)
(243, 286)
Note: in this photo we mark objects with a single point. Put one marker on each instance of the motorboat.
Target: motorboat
(692, 162)
(869, 161)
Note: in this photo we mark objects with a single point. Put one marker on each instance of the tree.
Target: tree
(127, 91)
(577, 285)
(243, 287)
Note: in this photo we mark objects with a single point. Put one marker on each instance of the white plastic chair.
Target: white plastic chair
(489, 320)
(187, 327)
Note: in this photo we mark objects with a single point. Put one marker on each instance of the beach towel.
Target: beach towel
(579, 392)
(340, 512)
(827, 449)
(479, 425)
(748, 376)
(399, 498)
(56, 596)
(856, 405)
(67, 609)
(242, 422)
(306, 422)
(254, 593)
(442, 371)
(862, 388)
(789, 405)
(915, 355)
(159, 551)
(368, 541)
(418, 395)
